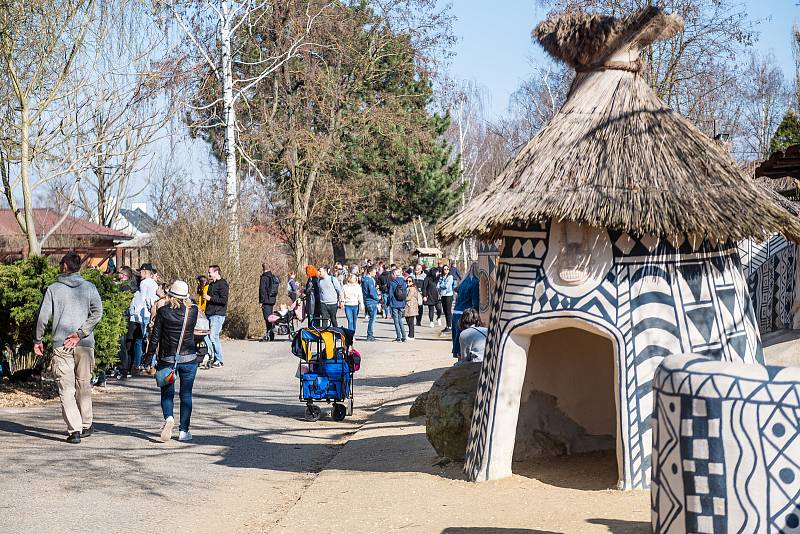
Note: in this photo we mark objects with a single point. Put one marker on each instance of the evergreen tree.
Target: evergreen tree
(787, 134)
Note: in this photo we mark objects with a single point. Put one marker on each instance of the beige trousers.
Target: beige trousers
(73, 371)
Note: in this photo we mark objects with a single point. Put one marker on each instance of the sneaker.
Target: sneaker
(263, 339)
(404, 339)
(218, 364)
(166, 429)
(75, 437)
(397, 339)
(370, 338)
(87, 431)
(185, 435)
(128, 375)
(410, 338)
(446, 329)
(432, 324)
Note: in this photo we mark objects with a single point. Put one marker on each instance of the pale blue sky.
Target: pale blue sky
(495, 46)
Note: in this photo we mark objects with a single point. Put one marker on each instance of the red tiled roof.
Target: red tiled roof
(45, 218)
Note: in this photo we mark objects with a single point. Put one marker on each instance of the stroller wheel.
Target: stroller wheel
(339, 412)
(313, 412)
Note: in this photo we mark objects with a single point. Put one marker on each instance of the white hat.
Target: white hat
(179, 289)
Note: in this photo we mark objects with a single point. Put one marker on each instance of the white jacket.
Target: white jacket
(353, 295)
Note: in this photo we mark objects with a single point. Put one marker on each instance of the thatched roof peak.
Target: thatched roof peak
(588, 41)
(614, 156)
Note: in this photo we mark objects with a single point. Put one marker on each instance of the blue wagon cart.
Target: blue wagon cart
(327, 364)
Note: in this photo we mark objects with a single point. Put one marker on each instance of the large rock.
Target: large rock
(448, 410)
(419, 406)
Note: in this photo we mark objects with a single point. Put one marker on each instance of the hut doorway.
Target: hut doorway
(567, 427)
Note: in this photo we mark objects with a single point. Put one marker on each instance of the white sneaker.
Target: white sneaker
(439, 321)
(410, 338)
(166, 429)
(432, 324)
(185, 435)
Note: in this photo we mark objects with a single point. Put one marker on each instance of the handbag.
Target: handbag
(166, 375)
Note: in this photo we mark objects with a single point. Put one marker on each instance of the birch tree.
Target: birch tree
(211, 25)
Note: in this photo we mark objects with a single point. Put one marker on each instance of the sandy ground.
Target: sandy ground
(386, 479)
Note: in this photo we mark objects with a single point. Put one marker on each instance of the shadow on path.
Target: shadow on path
(495, 530)
(13, 427)
(619, 526)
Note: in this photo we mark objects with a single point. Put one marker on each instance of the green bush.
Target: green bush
(22, 287)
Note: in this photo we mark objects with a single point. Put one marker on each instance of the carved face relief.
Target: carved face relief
(578, 258)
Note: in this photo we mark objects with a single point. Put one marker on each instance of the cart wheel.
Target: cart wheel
(313, 412)
(339, 412)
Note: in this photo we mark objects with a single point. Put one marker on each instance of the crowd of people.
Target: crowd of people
(399, 294)
(171, 333)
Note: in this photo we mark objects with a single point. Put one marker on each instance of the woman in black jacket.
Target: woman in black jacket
(313, 307)
(173, 336)
(430, 296)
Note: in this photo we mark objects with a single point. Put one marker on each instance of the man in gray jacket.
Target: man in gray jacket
(74, 307)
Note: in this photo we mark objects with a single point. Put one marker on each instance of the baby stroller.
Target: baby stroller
(283, 320)
(328, 361)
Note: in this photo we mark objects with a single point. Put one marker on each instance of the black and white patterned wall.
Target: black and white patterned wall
(650, 296)
(726, 448)
(771, 270)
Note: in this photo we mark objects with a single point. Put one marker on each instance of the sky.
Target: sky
(495, 49)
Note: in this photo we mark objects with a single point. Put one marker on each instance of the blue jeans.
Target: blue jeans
(399, 323)
(385, 302)
(186, 373)
(371, 311)
(456, 331)
(212, 339)
(138, 344)
(351, 312)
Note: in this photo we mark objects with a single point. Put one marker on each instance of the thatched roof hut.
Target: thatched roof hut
(615, 156)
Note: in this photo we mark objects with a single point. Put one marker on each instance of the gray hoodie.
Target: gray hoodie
(74, 305)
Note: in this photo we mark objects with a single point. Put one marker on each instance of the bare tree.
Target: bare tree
(83, 107)
(211, 25)
(765, 99)
(40, 42)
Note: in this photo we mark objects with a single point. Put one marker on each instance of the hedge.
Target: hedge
(22, 287)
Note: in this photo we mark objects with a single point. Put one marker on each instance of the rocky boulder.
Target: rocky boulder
(419, 406)
(448, 410)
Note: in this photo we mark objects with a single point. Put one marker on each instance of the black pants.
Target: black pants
(410, 322)
(447, 306)
(432, 307)
(133, 330)
(329, 312)
(266, 310)
(420, 314)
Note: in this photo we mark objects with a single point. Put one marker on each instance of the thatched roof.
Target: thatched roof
(615, 156)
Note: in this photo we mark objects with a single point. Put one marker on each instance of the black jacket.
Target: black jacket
(312, 298)
(167, 332)
(218, 298)
(383, 281)
(430, 291)
(264, 287)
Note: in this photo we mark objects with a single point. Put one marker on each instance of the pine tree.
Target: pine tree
(787, 134)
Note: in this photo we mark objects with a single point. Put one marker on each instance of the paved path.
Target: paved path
(252, 457)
